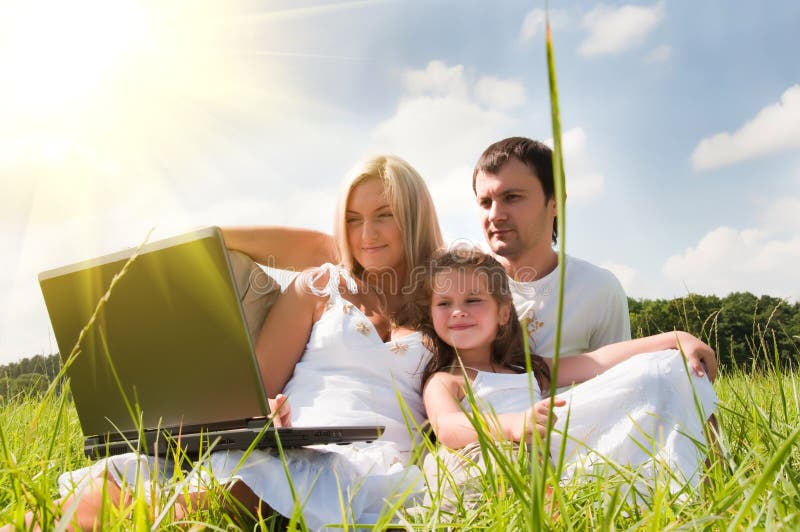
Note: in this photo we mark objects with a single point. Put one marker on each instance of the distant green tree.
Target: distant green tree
(45, 364)
(29, 375)
(27, 384)
(744, 329)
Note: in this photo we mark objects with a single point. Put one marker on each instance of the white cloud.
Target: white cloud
(727, 260)
(453, 82)
(436, 80)
(627, 275)
(534, 22)
(659, 54)
(584, 183)
(455, 204)
(774, 128)
(441, 126)
(782, 214)
(614, 29)
(639, 284)
(585, 186)
(500, 93)
(441, 130)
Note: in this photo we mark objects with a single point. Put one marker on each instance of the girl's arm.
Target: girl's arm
(284, 335)
(580, 368)
(282, 247)
(453, 428)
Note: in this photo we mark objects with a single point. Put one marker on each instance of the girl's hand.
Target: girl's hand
(281, 411)
(698, 356)
(535, 419)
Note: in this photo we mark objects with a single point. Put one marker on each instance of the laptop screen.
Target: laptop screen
(171, 342)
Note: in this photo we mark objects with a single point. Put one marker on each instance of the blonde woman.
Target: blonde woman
(332, 346)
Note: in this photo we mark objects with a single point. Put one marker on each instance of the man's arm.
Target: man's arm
(286, 248)
(700, 358)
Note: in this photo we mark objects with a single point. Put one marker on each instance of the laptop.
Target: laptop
(168, 360)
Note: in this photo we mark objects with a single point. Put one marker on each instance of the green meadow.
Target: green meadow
(752, 478)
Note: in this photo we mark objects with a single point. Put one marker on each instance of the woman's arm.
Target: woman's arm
(284, 335)
(281, 411)
(454, 429)
(282, 247)
(580, 368)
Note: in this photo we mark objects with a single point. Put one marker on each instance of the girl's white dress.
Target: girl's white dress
(347, 376)
(643, 412)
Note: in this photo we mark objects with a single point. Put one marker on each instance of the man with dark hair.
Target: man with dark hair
(513, 183)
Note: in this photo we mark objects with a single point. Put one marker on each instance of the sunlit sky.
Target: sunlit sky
(681, 120)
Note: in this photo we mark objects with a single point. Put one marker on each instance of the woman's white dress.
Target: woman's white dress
(642, 412)
(347, 376)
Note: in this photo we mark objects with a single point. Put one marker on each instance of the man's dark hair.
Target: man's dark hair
(532, 153)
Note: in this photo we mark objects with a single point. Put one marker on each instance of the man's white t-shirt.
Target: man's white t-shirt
(595, 309)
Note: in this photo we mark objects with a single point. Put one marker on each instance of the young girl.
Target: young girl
(630, 408)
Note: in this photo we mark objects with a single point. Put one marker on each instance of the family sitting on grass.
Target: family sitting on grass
(394, 329)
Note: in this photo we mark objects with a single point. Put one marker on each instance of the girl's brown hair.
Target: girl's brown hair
(508, 348)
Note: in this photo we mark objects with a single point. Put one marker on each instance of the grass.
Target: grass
(752, 483)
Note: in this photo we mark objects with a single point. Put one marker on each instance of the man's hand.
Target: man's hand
(699, 356)
(281, 411)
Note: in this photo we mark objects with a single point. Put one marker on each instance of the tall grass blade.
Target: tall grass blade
(560, 195)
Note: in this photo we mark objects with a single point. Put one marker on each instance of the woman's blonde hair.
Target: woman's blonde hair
(411, 205)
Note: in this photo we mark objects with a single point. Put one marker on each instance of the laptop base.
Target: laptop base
(193, 442)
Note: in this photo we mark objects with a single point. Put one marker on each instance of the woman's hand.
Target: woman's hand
(535, 419)
(698, 355)
(281, 411)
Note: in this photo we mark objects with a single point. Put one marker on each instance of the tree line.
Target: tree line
(747, 331)
(751, 332)
(31, 375)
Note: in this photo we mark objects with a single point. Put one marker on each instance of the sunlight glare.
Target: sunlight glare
(98, 94)
(125, 106)
(57, 53)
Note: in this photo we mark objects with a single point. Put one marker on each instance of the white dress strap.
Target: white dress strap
(459, 366)
(335, 275)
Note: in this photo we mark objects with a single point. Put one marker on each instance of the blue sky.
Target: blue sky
(681, 120)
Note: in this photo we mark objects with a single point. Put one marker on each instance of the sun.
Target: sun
(97, 93)
(114, 102)
(57, 55)
(101, 71)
